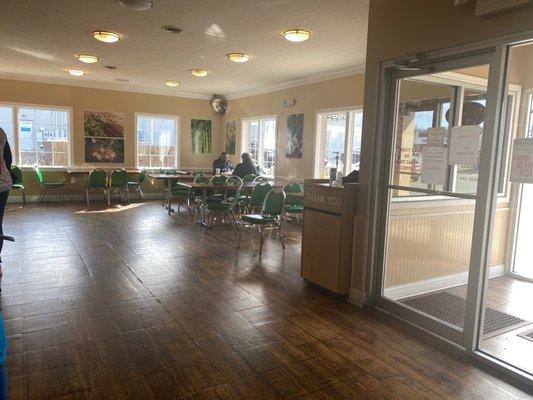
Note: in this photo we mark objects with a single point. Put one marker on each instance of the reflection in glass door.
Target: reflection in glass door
(431, 200)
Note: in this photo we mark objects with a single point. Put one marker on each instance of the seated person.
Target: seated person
(352, 177)
(223, 163)
(246, 167)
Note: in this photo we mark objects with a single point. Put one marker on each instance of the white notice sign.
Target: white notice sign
(433, 165)
(522, 161)
(464, 145)
(435, 136)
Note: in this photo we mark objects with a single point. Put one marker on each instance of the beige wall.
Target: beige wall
(81, 99)
(335, 93)
(397, 29)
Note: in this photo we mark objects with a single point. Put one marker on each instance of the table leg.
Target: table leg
(169, 199)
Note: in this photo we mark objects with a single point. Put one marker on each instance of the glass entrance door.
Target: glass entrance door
(434, 136)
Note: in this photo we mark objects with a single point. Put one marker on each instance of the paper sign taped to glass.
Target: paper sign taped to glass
(433, 165)
(464, 145)
(435, 136)
(522, 161)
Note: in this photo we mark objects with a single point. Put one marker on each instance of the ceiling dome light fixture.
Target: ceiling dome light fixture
(76, 72)
(87, 59)
(297, 35)
(238, 57)
(199, 72)
(172, 83)
(106, 36)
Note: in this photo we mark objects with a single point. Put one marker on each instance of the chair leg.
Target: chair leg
(87, 195)
(107, 193)
(281, 235)
(23, 197)
(239, 239)
(41, 197)
(261, 239)
(140, 192)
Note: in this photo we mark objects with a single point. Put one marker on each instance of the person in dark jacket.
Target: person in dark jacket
(223, 163)
(246, 167)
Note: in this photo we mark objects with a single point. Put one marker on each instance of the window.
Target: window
(338, 135)
(156, 141)
(438, 101)
(259, 139)
(37, 135)
(7, 123)
(43, 137)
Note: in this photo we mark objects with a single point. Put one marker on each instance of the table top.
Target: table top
(180, 175)
(83, 170)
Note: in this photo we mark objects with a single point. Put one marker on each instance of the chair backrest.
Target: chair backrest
(260, 179)
(201, 179)
(234, 180)
(38, 175)
(219, 179)
(170, 172)
(293, 187)
(142, 175)
(197, 173)
(97, 178)
(259, 193)
(274, 203)
(238, 193)
(119, 177)
(249, 178)
(17, 173)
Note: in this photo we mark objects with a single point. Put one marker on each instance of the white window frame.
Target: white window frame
(320, 136)
(176, 119)
(15, 148)
(245, 139)
(474, 83)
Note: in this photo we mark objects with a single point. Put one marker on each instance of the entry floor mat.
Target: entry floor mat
(527, 334)
(451, 309)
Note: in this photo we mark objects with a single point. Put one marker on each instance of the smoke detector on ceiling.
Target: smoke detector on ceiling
(137, 5)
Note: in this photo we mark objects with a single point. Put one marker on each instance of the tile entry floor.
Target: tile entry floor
(129, 303)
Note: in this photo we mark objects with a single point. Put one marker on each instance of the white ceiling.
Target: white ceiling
(39, 38)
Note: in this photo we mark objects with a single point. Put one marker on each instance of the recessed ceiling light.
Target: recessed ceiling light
(238, 57)
(137, 5)
(199, 72)
(106, 36)
(87, 59)
(76, 72)
(172, 83)
(297, 35)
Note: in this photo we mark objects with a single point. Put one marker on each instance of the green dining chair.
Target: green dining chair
(260, 179)
(217, 194)
(257, 198)
(118, 181)
(45, 184)
(137, 184)
(271, 216)
(249, 178)
(225, 208)
(198, 193)
(97, 180)
(234, 180)
(197, 173)
(18, 183)
(293, 205)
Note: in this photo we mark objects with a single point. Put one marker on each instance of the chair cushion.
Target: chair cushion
(293, 208)
(257, 219)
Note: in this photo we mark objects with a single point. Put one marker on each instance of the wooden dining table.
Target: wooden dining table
(168, 179)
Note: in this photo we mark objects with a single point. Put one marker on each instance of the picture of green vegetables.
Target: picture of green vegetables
(231, 133)
(201, 136)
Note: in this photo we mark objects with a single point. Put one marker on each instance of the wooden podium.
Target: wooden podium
(327, 240)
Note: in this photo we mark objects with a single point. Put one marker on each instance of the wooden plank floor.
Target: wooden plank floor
(129, 303)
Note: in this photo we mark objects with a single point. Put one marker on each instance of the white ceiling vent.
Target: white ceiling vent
(137, 5)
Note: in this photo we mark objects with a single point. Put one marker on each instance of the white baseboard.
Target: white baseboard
(357, 297)
(431, 285)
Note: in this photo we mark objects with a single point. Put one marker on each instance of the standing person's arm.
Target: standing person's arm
(8, 157)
